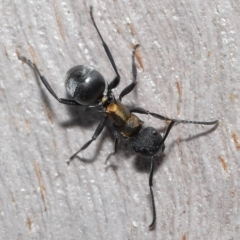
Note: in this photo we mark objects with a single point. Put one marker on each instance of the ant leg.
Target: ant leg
(116, 80)
(97, 132)
(167, 132)
(131, 86)
(152, 225)
(143, 111)
(46, 84)
(116, 137)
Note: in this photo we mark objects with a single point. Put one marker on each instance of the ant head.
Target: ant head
(147, 142)
(85, 85)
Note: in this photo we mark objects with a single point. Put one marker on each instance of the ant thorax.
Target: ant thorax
(127, 123)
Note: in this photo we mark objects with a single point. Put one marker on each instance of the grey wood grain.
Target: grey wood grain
(188, 67)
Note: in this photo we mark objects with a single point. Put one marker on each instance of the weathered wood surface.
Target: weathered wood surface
(188, 67)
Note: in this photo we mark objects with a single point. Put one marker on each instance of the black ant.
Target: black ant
(87, 87)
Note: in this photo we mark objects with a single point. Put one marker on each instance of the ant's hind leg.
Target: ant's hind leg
(46, 84)
(131, 86)
(116, 80)
(97, 132)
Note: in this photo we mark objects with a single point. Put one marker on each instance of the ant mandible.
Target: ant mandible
(88, 88)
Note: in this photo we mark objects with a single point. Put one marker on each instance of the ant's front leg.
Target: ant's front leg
(144, 111)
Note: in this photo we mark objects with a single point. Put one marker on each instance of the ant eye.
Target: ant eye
(154, 132)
